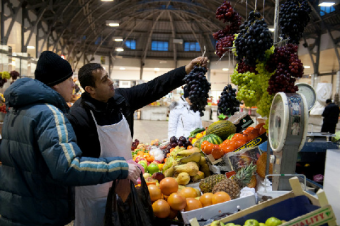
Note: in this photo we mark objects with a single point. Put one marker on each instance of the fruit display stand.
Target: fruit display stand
(288, 207)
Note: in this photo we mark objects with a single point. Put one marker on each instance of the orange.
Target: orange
(155, 192)
(220, 197)
(192, 204)
(176, 201)
(173, 213)
(161, 208)
(206, 199)
(188, 192)
(140, 153)
(168, 185)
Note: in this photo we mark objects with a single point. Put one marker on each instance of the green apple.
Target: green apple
(153, 168)
(251, 222)
(273, 221)
(144, 164)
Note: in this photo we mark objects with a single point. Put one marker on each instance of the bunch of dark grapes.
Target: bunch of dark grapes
(253, 40)
(134, 145)
(174, 142)
(228, 103)
(198, 88)
(225, 12)
(225, 37)
(288, 67)
(243, 68)
(223, 43)
(294, 17)
(14, 74)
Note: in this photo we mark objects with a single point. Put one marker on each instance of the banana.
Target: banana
(196, 157)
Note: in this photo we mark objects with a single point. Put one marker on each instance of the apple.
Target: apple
(158, 176)
(147, 175)
(153, 168)
(157, 162)
(139, 159)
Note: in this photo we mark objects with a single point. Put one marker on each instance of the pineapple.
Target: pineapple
(206, 185)
(234, 186)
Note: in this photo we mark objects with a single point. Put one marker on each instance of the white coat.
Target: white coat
(182, 120)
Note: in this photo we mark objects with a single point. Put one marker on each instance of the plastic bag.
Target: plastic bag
(135, 211)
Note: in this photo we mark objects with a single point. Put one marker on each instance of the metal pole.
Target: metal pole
(276, 21)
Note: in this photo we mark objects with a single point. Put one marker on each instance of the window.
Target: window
(131, 44)
(192, 46)
(326, 9)
(98, 41)
(159, 46)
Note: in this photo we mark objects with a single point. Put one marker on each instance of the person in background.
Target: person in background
(41, 160)
(103, 121)
(182, 120)
(330, 117)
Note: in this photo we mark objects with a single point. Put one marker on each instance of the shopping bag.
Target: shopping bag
(136, 210)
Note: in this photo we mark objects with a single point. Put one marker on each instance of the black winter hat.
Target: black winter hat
(52, 69)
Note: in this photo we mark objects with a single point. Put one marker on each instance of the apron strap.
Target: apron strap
(94, 119)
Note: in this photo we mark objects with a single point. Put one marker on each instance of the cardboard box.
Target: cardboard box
(319, 216)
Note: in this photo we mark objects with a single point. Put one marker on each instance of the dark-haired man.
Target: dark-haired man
(331, 117)
(103, 118)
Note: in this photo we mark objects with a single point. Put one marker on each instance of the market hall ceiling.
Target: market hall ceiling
(82, 24)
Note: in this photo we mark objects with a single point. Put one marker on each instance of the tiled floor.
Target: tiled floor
(146, 131)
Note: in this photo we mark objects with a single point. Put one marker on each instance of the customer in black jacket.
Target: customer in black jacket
(331, 116)
(108, 105)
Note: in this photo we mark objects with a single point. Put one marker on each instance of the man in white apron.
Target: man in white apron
(103, 122)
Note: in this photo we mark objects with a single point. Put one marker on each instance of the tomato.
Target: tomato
(259, 125)
(232, 144)
(217, 152)
(262, 130)
(208, 148)
(189, 147)
(204, 144)
(245, 137)
(248, 130)
(240, 143)
(237, 136)
(228, 149)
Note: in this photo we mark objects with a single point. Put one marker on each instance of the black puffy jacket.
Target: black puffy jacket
(125, 101)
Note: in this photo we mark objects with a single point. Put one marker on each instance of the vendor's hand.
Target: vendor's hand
(199, 60)
(134, 173)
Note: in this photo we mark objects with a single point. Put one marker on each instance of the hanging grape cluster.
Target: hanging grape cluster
(294, 17)
(225, 37)
(228, 103)
(253, 40)
(198, 88)
(288, 67)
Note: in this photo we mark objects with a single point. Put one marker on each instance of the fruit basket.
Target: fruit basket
(296, 208)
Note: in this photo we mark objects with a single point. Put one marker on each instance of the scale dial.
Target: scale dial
(309, 93)
(278, 122)
(288, 121)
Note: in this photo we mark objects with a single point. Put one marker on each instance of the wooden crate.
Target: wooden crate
(322, 215)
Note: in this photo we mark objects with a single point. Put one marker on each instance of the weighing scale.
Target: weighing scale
(309, 93)
(288, 123)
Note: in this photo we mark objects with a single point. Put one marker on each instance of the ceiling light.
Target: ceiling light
(225, 69)
(156, 69)
(327, 4)
(112, 23)
(119, 49)
(119, 39)
(122, 68)
(107, 0)
(30, 47)
(306, 66)
(271, 29)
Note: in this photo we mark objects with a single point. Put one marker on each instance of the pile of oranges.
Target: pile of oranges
(168, 201)
(238, 140)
